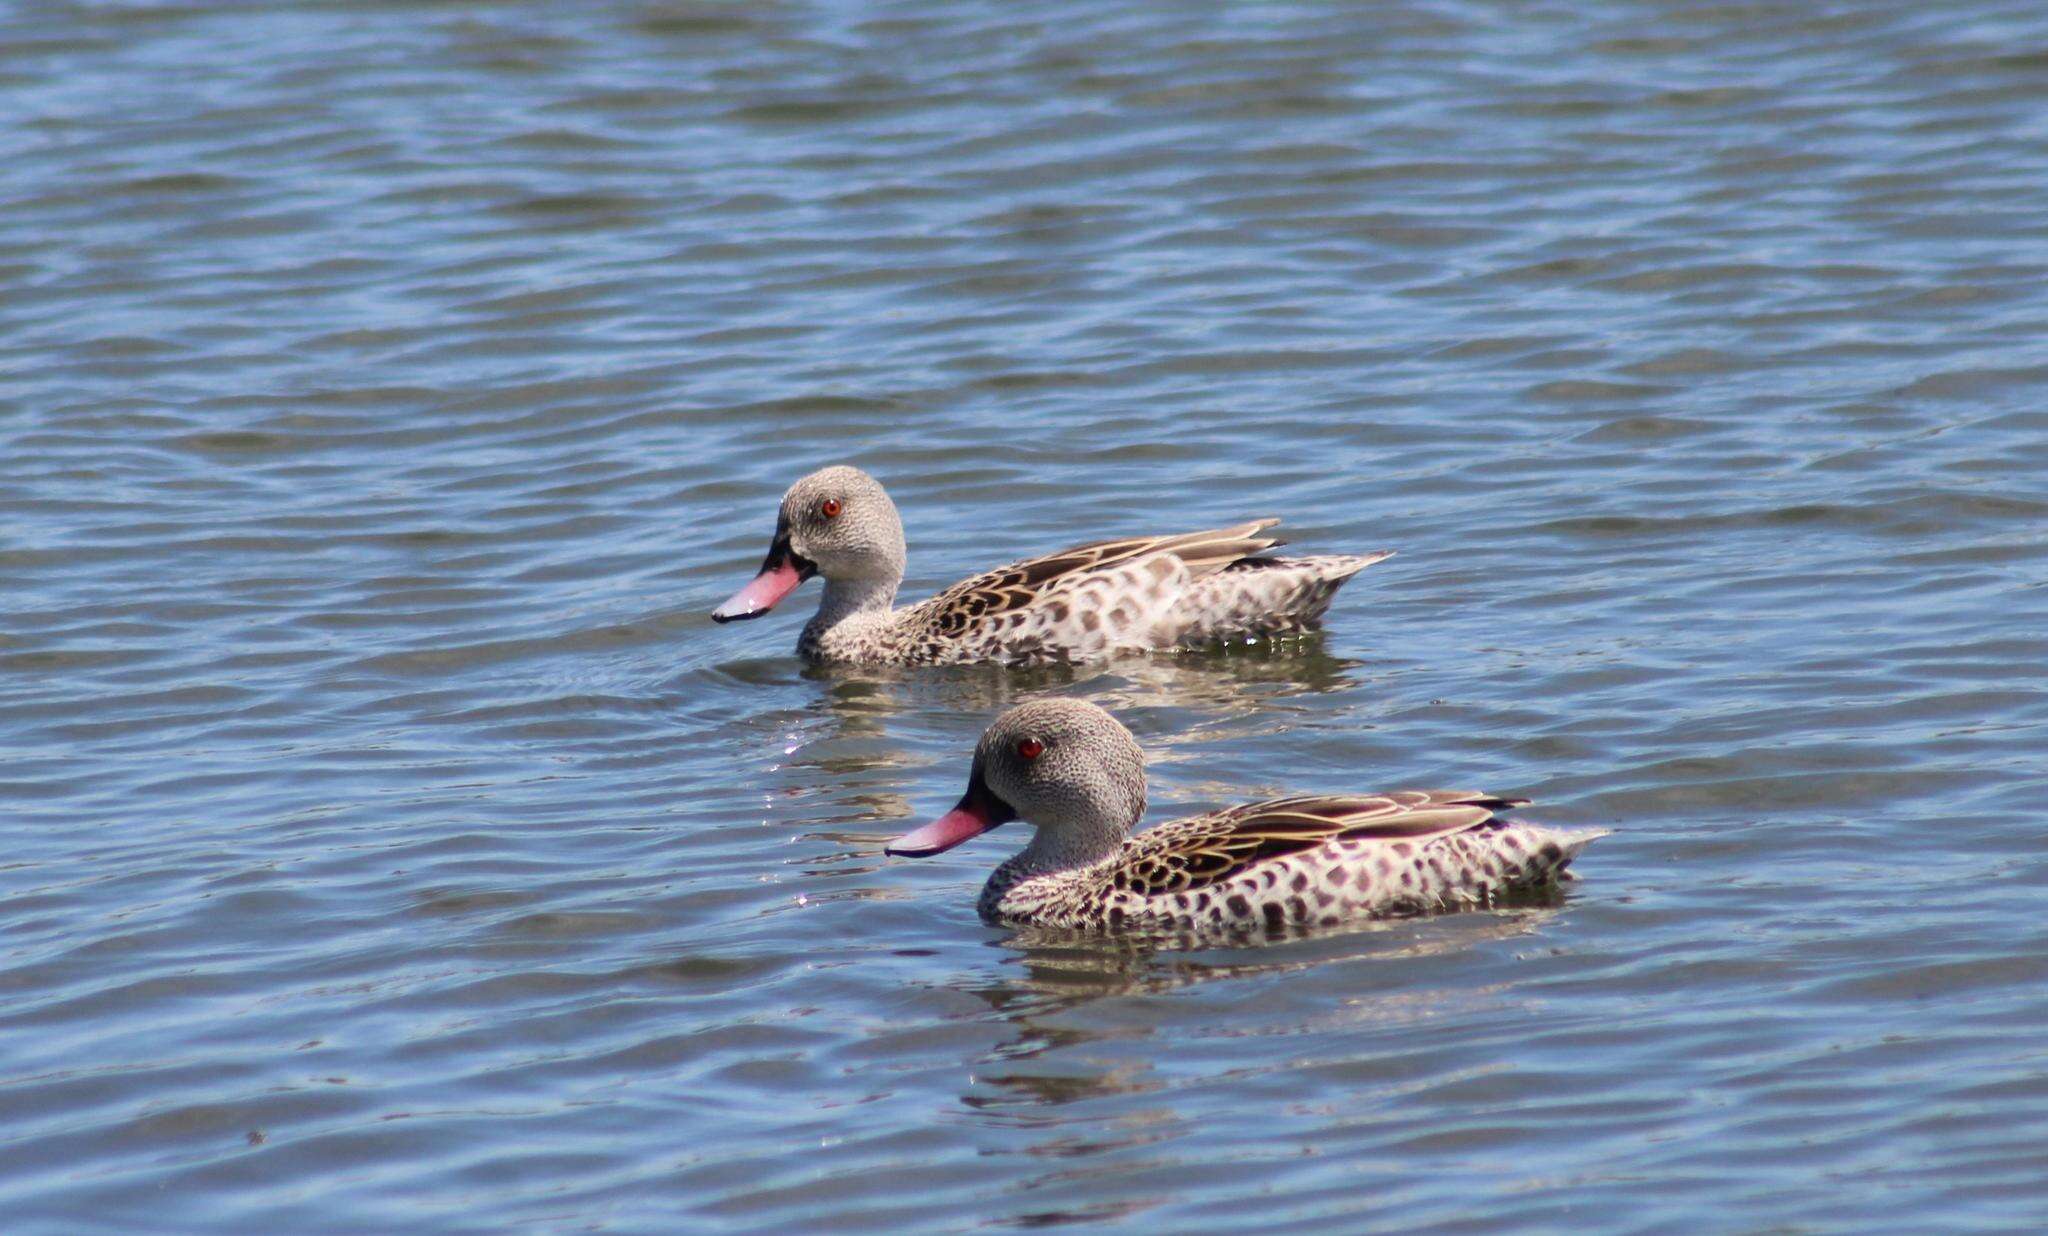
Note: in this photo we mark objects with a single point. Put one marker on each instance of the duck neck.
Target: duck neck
(1075, 842)
(1057, 851)
(852, 598)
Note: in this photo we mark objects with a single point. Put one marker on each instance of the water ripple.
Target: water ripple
(393, 843)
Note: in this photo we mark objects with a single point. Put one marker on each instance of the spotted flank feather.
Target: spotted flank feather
(1302, 862)
(1095, 601)
(1202, 851)
(1019, 584)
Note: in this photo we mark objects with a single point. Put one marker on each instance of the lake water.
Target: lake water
(392, 843)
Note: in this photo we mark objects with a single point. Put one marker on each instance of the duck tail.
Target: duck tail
(1570, 844)
(1328, 569)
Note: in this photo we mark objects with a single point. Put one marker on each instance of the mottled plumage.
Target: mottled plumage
(1313, 860)
(1088, 603)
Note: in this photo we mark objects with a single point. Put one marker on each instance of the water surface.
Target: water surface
(390, 389)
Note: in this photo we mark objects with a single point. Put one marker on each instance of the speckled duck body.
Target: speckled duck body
(1340, 879)
(1075, 774)
(1089, 603)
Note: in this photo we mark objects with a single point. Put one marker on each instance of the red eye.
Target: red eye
(829, 508)
(1030, 748)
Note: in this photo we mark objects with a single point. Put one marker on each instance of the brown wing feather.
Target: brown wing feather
(1202, 851)
(1017, 585)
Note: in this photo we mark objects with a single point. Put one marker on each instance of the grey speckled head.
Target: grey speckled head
(1065, 766)
(837, 522)
(1087, 766)
(841, 520)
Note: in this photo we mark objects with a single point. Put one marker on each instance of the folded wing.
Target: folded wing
(975, 602)
(1203, 851)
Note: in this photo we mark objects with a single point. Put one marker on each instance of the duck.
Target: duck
(1089, 603)
(1074, 773)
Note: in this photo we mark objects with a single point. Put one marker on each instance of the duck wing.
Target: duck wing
(1202, 851)
(1021, 585)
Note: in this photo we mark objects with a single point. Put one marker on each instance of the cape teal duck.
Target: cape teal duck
(1092, 602)
(1075, 774)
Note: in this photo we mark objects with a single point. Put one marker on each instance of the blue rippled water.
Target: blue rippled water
(389, 390)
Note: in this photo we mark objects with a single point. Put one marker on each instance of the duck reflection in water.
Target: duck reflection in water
(1058, 1047)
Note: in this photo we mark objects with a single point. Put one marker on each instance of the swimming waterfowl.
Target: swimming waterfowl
(1076, 774)
(1082, 604)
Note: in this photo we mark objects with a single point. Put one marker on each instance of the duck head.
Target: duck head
(837, 522)
(1065, 766)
